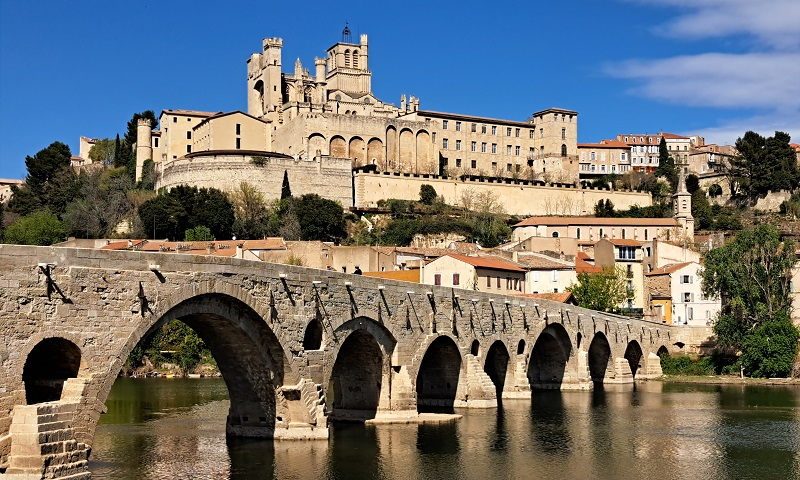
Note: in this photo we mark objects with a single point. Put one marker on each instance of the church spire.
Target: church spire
(682, 203)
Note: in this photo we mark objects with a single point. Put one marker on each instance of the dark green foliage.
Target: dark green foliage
(603, 291)
(200, 233)
(402, 230)
(714, 191)
(685, 365)
(427, 194)
(127, 157)
(50, 184)
(37, 228)
(764, 164)
(752, 276)
(101, 203)
(148, 181)
(118, 154)
(701, 210)
(176, 343)
(692, 183)
(2, 219)
(604, 208)
(666, 165)
(286, 190)
(186, 207)
(319, 218)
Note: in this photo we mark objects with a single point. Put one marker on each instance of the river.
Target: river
(170, 428)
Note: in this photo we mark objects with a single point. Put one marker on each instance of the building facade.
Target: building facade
(603, 158)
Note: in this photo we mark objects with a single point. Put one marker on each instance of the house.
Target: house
(675, 295)
(627, 256)
(546, 274)
(484, 273)
(595, 228)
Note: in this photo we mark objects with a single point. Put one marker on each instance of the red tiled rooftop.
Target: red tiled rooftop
(667, 269)
(492, 263)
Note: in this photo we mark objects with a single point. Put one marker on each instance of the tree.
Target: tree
(666, 165)
(148, 181)
(50, 183)
(204, 206)
(252, 217)
(752, 275)
(101, 203)
(2, 219)
(104, 151)
(200, 233)
(604, 290)
(119, 160)
(701, 210)
(286, 190)
(38, 228)
(427, 194)
(604, 208)
(127, 156)
(763, 165)
(161, 216)
(692, 183)
(319, 218)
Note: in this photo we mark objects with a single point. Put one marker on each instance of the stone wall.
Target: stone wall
(253, 317)
(516, 196)
(328, 177)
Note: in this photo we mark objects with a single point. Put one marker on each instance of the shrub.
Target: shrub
(427, 194)
(200, 233)
(37, 228)
(770, 349)
(685, 365)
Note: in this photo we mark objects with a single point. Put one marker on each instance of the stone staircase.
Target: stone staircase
(481, 391)
(43, 444)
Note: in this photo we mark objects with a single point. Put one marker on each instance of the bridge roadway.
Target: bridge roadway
(296, 346)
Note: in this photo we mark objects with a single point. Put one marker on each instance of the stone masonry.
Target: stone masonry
(254, 317)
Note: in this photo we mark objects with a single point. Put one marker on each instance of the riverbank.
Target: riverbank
(727, 380)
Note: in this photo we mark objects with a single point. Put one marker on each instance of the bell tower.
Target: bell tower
(347, 65)
(682, 204)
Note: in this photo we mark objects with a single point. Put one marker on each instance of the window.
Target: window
(483, 128)
(626, 253)
(444, 144)
(554, 275)
(444, 124)
(645, 234)
(686, 279)
(498, 282)
(458, 126)
(508, 283)
(508, 149)
(541, 132)
(592, 156)
(578, 233)
(531, 133)
(563, 133)
(474, 127)
(494, 166)
(458, 163)
(456, 279)
(483, 147)
(174, 119)
(474, 146)
(516, 132)
(473, 164)
(238, 129)
(238, 143)
(188, 149)
(494, 148)
(517, 168)
(516, 150)
(488, 282)
(687, 297)
(623, 233)
(508, 167)
(564, 150)
(555, 234)
(494, 130)
(508, 131)
(189, 135)
(155, 142)
(437, 279)
(458, 144)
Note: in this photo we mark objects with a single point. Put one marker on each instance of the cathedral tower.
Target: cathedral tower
(348, 66)
(264, 89)
(682, 204)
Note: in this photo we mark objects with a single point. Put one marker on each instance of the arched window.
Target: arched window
(312, 339)
(475, 348)
(563, 150)
(347, 58)
(521, 347)
(355, 58)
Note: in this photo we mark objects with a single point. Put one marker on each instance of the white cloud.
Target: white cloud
(726, 133)
(760, 80)
(775, 23)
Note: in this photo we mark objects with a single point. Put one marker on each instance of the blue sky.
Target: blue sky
(714, 67)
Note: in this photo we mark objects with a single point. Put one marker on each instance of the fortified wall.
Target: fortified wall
(226, 170)
(517, 197)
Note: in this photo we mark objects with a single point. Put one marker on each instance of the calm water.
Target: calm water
(166, 428)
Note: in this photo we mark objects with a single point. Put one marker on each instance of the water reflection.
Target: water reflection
(175, 429)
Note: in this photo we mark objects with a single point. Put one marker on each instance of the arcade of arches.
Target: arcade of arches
(407, 151)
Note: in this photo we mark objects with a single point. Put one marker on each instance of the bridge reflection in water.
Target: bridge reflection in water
(654, 431)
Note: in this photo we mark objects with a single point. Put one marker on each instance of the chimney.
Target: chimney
(239, 251)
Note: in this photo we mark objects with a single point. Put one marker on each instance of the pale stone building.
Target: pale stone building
(603, 158)
(484, 273)
(5, 188)
(676, 295)
(644, 148)
(626, 256)
(596, 228)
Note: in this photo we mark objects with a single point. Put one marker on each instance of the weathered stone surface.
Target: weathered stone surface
(253, 317)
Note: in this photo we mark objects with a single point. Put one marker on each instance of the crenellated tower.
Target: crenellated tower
(264, 86)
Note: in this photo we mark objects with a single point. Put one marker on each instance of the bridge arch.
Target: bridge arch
(358, 384)
(496, 365)
(635, 356)
(549, 358)
(599, 358)
(438, 375)
(50, 363)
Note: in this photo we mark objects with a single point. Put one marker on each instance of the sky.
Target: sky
(711, 67)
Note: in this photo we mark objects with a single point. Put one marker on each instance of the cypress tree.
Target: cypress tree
(286, 191)
(117, 152)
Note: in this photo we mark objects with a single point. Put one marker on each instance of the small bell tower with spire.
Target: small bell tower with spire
(682, 204)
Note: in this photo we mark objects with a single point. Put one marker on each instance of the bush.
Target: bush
(770, 349)
(200, 233)
(427, 194)
(37, 228)
(685, 365)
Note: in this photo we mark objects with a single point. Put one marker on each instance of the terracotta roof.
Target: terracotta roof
(225, 114)
(189, 113)
(600, 221)
(562, 297)
(667, 269)
(543, 262)
(583, 266)
(604, 144)
(488, 262)
(625, 242)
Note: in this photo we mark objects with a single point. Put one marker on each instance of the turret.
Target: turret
(319, 63)
(144, 144)
(264, 79)
(682, 204)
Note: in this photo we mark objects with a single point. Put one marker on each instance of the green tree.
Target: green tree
(286, 190)
(204, 206)
(319, 218)
(50, 183)
(666, 165)
(692, 183)
(252, 216)
(427, 194)
(148, 181)
(102, 202)
(763, 165)
(2, 219)
(103, 151)
(161, 216)
(752, 276)
(127, 156)
(701, 210)
(200, 233)
(604, 208)
(604, 290)
(119, 154)
(37, 228)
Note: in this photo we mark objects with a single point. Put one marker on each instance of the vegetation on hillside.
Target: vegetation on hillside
(604, 291)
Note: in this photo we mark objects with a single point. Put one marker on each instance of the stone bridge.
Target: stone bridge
(296, 346)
